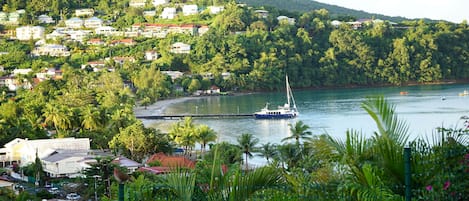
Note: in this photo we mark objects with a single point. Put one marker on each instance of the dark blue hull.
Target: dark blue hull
(276, 116)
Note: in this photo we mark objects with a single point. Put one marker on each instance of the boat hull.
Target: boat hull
(274, 116)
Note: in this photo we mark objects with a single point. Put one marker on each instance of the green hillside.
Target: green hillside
(308, 5)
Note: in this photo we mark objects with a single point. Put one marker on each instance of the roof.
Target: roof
(60, 155)
(155, 170)
(171, 161)
(125, 162)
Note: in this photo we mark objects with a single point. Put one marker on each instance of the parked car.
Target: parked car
(73, 196)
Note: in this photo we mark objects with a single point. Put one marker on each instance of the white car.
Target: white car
(73, 196)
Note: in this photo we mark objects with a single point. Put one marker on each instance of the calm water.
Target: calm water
(329, 111)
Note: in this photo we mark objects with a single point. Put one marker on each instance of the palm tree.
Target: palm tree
(247, 142)
(184, 133)
(205, 135)
(90, 118)
(268, 151)
(58, 116)
(384, 151)
(298, 131)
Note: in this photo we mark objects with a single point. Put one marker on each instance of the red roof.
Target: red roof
(171, 161)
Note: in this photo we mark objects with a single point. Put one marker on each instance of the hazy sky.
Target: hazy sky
(450, 10)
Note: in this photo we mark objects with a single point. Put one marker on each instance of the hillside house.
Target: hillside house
(126, 41)
(24, 151)
(54, 50)
(74, 22)
(93, 22)
(105, 30)
(95, 41)
(190, 9)
(45, 19)
(180, 48)
(168, 13)
(137, 3)
(173, 74)
(151, 55)
(30, 32)
(289, 20)
(215, 9)
(159, 2)
(84, 12)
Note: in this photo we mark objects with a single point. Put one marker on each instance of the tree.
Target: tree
(91, 118)
(133, 139)
(58, 116)
(205, 135)
(184, 133)
(247, 142)
(268, 151)
(298, 131)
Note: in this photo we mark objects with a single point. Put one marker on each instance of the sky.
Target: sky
(451, 10)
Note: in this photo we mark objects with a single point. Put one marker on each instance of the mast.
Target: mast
(288, 90)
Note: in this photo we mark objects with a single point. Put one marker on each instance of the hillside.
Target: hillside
(308, 5)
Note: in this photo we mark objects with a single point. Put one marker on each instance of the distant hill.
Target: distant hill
(309, 5)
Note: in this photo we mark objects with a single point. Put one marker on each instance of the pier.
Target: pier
(181, 116)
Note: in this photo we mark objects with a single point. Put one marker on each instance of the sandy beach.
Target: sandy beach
(160, 106)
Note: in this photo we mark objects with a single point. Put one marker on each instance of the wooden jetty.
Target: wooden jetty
(181, 116)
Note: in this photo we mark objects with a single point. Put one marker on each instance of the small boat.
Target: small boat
(403, 93)
(282, 112)
(464, 93)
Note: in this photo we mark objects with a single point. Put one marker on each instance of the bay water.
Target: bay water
(331, 111)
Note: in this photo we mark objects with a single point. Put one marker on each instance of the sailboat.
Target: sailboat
(286, 111)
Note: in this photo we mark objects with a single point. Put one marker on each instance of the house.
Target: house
(130, 165)
(105, 30)
(79, 35)
(180, 48)
(215, 9)
(84, 12)
(30, 32)
(151, 55)
(54, 35)
(355, 25)
(126, 41)
(173, 74)
(45, 19)
(11, 83)
(122, 60)
(66, 163)
(168, 13)
(159, 2)
(95, 41)
(202, 30)
(137, 3)
(74, 22)
(262, 13)
(3, 17)
(22, 71)
(93, 22)
(49, 73)
(226, 75)
(190, 9)
(54, 50)
(182, 29)
(289, 20)
(24, 151)
(171, 161)
(336, 23)
(95, 65)
(14, 18)
(213, 90)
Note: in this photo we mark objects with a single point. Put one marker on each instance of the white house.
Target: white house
(74, 22)
(216, 9)
(137, 3)
(173, 74)
(180, 48)
(57, 34)
(54, 50)
(45, 19)
(12, 84)
(24, 151)
(79, 35)
(289, 20)
(84, 12)
(336, 23)
(105, 30)
(66, 163)
(150, 13)
(131, 165)
(22, 71)
(30, 32)
(151, 55)
(159, 2)
(168, 13)
(93, 22)
(262, 13)
(190, 9)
